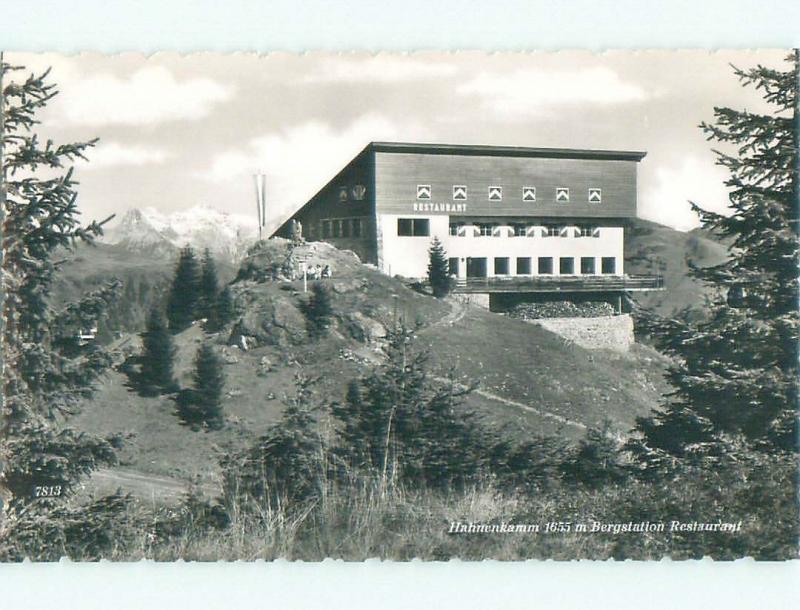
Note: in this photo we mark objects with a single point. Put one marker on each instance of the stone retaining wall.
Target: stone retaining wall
(612, 332)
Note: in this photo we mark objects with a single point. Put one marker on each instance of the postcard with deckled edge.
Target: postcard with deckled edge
(476, 306)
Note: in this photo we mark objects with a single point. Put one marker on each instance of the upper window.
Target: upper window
(495, 193)
(342, 193)
(459, 192)
(486, 229)
(413, 227)
(358, 192)
(528, 193)
(562, 193)
(595, 196)
(423, 191)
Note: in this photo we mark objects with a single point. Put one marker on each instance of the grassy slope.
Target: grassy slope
(654, 248)
(514, 360)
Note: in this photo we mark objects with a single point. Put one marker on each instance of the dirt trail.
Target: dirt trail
(145, 486)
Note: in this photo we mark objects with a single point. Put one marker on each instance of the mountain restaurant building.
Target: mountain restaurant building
(541, 222)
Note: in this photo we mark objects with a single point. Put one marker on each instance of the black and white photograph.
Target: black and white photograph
(402, 306)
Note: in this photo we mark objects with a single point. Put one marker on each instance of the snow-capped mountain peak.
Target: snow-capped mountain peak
(148, 229)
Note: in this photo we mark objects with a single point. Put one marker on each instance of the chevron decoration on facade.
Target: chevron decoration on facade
(342, 193)
(459, 193)
(528, 193)
(595, 196)
(495, 193)
(562, 194)
(423, 191)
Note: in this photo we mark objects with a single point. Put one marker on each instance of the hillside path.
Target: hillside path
(146, 486)
(518, 405)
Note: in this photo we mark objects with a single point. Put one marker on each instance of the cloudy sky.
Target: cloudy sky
(178, 131)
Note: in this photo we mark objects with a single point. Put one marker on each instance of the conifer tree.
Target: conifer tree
(224, 310)
(203, 404)
(737, 372)
(209, 287)
(184, 294)
(438, 269)
(158, 353)
(285, 465)
(45, 371)
(397, 422)
(318, 311)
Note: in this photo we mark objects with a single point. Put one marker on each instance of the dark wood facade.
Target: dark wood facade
(389, 174)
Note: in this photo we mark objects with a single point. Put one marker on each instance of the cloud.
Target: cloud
(149, 95)
(527, 92)
(299, 160)
(114, 154)
(378, 69)
(694, 179)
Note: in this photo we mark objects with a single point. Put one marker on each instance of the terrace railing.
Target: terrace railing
(560, 283)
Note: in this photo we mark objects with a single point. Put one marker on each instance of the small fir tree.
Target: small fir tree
(184, 295)
(438, 269)
(158, 354)
(225, 309)
(203, 404)
(284, 467)
(398, 423)
(209, 288)
(318, 311)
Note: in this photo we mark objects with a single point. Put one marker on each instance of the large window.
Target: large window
(520, 230)
(454, 229)
(566, 265)
(524, 265)
(552, 230)
(587, 265)
(413, 227)
(337, 228)
(486, 230)
(545, 265)
(356, 227)
(608, 264)
(346, 228)
(501, 265)
(326, 229)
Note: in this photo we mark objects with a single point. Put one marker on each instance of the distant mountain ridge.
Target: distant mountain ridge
(227, 236)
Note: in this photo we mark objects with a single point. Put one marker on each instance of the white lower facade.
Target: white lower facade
(592, 250)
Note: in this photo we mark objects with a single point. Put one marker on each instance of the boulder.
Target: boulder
(363, 328)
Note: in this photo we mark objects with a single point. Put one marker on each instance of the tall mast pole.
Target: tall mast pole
(261, 202)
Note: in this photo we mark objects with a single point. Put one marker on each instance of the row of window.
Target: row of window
(495, 193)
(342, 227)
(521, 230)
(566, 265)
(421, 227)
